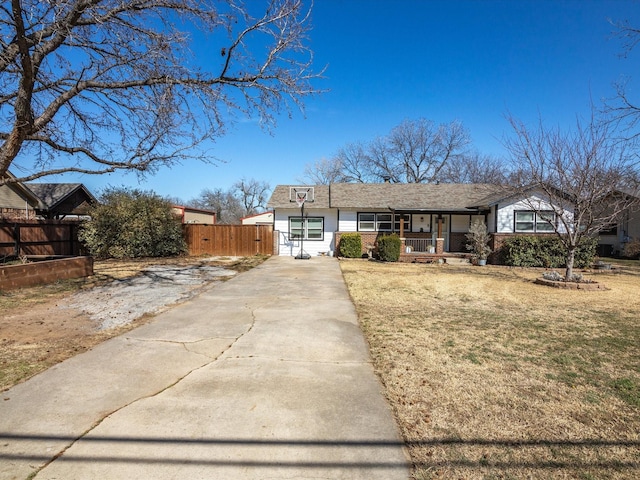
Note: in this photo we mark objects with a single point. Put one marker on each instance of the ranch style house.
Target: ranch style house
(430, 218)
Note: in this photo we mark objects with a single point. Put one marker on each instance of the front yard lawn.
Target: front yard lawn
(493, 377)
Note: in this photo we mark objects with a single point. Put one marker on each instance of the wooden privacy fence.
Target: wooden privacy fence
(40, 238)
(231, 240)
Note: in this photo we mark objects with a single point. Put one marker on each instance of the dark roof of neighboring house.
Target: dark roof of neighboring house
(394, 196)
(63, 198)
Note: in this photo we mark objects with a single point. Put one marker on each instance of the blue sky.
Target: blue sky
(391, 60)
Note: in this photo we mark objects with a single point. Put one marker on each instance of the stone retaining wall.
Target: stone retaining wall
(39, 273)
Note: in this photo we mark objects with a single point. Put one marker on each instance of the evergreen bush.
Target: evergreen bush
(132, 223)
(545, 251)
(351, 245)
(389, 247)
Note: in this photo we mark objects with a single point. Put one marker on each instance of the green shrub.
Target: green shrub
(586, 253)
(389, 247)
(545, 251)
(351, 245)
(132, 223)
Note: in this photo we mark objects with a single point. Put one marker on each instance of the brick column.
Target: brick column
(439, 246)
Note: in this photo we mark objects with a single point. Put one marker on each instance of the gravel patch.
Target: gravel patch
(122, 301)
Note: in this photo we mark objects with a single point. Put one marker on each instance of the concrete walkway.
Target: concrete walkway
(264, 376)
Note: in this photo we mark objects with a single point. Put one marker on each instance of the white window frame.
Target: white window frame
(374, 220)
(305, 229)
(537, 221)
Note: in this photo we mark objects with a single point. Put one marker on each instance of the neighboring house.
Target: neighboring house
(195, 215)
(264, 218)
(17, 202)
(612, 241)
(28, 201)
(429, 217)
(60, 200)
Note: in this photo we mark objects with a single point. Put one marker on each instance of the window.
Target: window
(407, 222)
(308, 228)
(611, 229)
(382, 222)
(535, 222)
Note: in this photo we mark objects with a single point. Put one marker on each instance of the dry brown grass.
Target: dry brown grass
(491, 376)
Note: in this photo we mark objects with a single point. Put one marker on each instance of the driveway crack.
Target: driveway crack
(98, 422)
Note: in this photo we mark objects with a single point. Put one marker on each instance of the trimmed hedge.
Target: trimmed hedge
(545, 251)
(351, 245)
(389, 248)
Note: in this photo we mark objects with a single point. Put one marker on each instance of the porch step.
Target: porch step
(449, 258)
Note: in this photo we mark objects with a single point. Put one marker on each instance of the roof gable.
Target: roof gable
(63, 198)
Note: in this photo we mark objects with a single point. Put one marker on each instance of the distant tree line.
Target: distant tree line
(415, 151)
(245, 197)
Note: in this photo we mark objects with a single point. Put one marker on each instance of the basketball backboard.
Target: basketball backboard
(301, 195)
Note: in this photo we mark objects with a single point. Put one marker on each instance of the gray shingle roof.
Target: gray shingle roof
(53, 193)
(395, 196)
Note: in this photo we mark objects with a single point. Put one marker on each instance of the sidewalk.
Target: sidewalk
(264, 376)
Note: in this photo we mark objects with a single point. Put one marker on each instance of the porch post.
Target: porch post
(439, 239)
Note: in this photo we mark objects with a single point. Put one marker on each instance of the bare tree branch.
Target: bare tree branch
(102, 85)
(324, 172)
(253, 195)
(474, 168)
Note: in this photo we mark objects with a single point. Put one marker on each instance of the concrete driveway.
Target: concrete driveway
(264, 376)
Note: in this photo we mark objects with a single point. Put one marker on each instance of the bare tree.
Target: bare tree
(95, 86)
(416, 151)
(252, 194)
(474, 168)
(354, 162)
(228, 208)
(324, 172)
(584, 179)
(245, 197)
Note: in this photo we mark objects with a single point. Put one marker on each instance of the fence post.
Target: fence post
(16, 239)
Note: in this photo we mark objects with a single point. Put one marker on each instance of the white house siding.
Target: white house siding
(312, 247)
(348, 221)
(420, 222)
(506, 213)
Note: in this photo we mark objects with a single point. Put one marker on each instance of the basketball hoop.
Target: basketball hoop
(301, 197)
